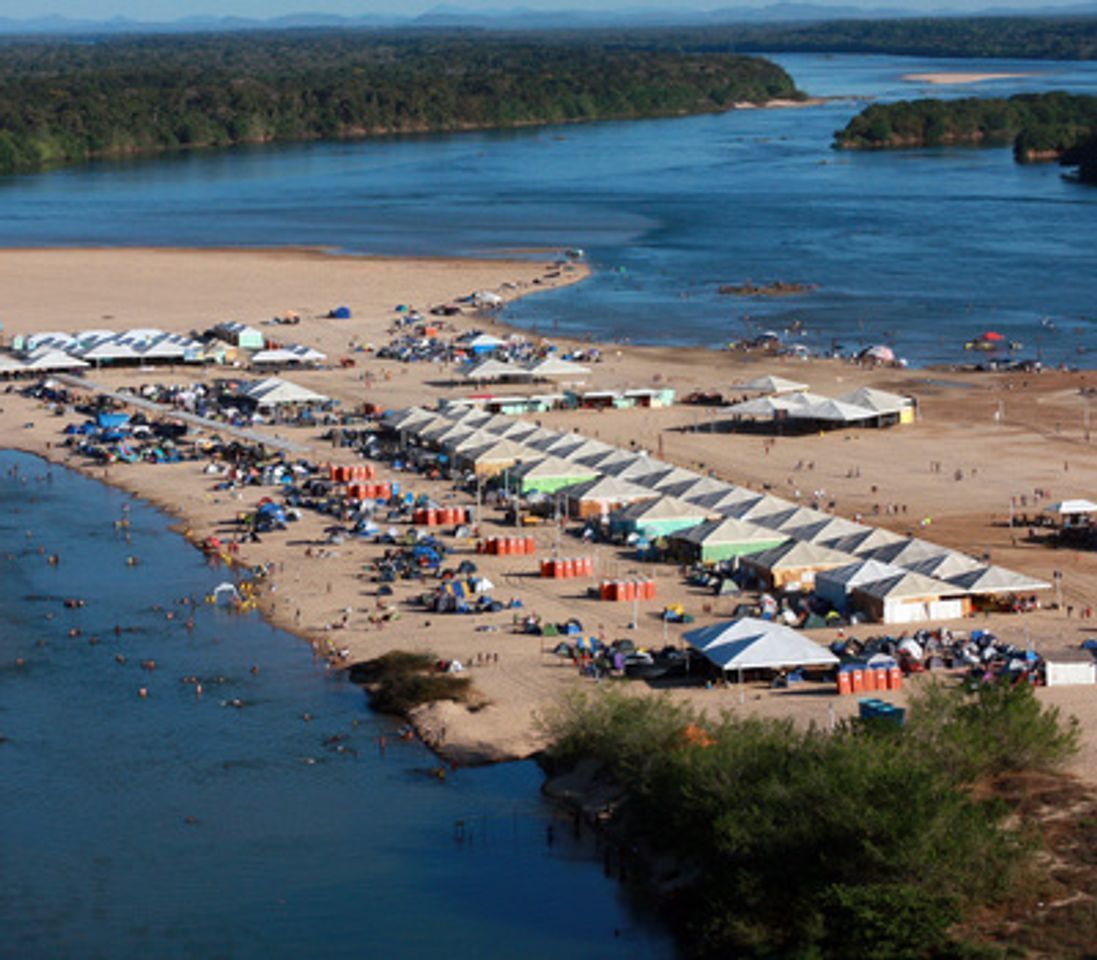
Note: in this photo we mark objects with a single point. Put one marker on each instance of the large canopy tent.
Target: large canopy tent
(406, 418)
(724, 539)
(496, 370)
(832, 412)
(50, 359)
(764, 505)
(752, 644)
(547, 474)
(493, 458)
(603, 495)
(882, 403)
(553, 367)
(770, 384)
(795, 563)
(946, 565)
(274, 392)
(290, 354)
(721, 501)
(788, 519)
(639, 466)
(657, 518)
(690, 489)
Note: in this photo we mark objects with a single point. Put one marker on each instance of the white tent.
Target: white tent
(821, 531)
(906, 551)
(771, 384)
(752, 644)
(1066, 508)
(492, 369)
(863, 543)
(879, 401)
(835, 586)
(997, 580)
(950, 564)
(720, 501)
(8, 364)
(832, 411)
(274, 392)
(49, 359)
(556, 367)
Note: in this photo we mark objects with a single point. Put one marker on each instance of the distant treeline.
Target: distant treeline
(1037, 38)
(63, 102)
(1046, 126)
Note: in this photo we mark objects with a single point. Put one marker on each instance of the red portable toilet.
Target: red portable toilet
(845, 683)
(869, 679)
(895, 678)
(857, 676)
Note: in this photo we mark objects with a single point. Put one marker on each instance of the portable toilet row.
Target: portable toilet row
(439, 517)
(862, 677)
(619, 590)
(558, 569)
(508, 546)
(369, 491)
(348, 474)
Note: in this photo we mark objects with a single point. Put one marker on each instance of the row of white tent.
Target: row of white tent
(547, 368)
(858, 406)
(144, 345)
(854, 556)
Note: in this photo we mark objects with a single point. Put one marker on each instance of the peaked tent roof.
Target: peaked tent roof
(498, 451)
(609, 489)
(996, 580)
(727, 530)
(771, 384)
(906, 585)
(863, 543)
(861, 572)
(663, 508)
(950, 564)
(764, 506)
(492, 369)
(833, 411)
(548, 466)
(557, 367)
(799, 553)
(731, 496)
(821, 531)
(639, 466)
(49, 359)
(752, 644)
(691, 488)
(792, 517)
(880, 401)
(906, 551)
(273, 392)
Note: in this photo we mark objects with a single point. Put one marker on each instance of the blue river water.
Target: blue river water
(920, 250)
(174, 826)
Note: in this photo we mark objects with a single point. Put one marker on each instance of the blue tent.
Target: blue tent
(340, 313)
(108, 420)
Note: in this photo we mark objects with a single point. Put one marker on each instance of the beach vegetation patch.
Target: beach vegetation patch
(858, 842)
(400, 680)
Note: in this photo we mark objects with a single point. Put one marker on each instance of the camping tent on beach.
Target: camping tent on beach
(752, 644)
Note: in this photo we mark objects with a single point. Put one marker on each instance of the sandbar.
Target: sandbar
(1006, 434)
(948, 78)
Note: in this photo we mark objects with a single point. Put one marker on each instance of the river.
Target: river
(920, 250)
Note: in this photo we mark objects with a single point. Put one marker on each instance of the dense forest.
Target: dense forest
(62, 102)
(1044, 126)
(1036, 38)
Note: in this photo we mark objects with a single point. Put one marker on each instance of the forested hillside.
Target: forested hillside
(62, 102)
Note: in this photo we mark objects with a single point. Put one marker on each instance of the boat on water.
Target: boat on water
(992, 340)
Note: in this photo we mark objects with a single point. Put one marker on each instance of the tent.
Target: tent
(484, 343)
(945, 565)
(826, 529)
(658, 517)
(274, 392)
(771, 384)
(690, 488)
(603, 495)
(790, 518)
(993, 580)
(882, 402)
(49, 359)
(910, 597)
(1073, 513)
(721, 500)
(906, 551)
(632, 467)
(552, 367)
(548, 474)
(832, 411)
(795, 563)
(492, 369)
(716, 540)
(763, 505)
(492, 458)
(752, 644)
(340, 313)
(835, 585)
(862, 543)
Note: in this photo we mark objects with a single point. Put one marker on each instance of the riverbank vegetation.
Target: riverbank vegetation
(865, 842)
(65, 102)
(399, 681)
(1040, 126)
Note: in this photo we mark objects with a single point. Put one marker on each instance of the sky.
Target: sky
(167, 10)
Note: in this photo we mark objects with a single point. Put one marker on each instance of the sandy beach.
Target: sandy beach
(1002, 435)
(946, 78)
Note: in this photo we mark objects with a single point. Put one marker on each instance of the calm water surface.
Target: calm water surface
(297, 851)
(918, 249)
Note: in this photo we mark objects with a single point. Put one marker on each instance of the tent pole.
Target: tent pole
(742, 693)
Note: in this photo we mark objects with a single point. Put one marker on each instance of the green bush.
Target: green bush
(796, 837)
(401, 680)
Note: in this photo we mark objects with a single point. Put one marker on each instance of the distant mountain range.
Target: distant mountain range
(519, 18)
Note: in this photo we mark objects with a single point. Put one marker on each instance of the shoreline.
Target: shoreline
(952, 429)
